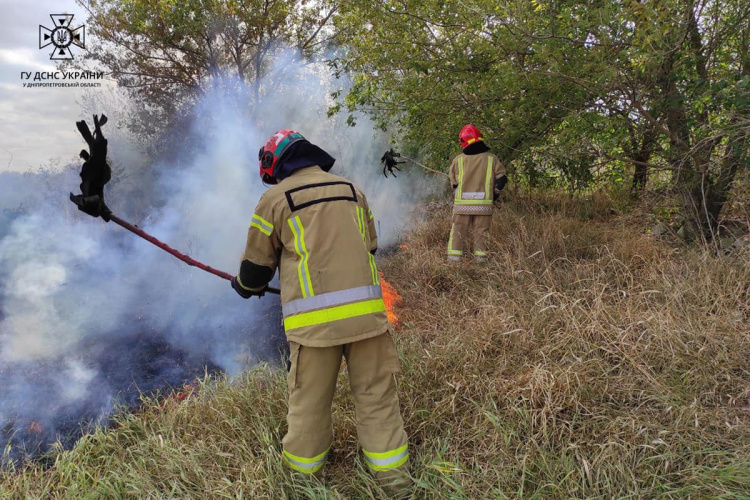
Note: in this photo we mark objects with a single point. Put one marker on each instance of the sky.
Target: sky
(37, 125)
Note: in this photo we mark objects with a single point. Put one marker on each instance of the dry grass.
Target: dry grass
(584, 360)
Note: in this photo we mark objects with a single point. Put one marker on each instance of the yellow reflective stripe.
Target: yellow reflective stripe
(387, 460)
(303, 270)
(364, 224)
(459, 189)
(305, 465)
(299, 252)
(386, 454)
(306, 460)
(261, 228)
(331, 299)
(262, 220)
(332, 314)
(488, 180)
(363, 229)
(369, 213)
(305, 258)
(361, 222)
(374, 270)
(262, 224)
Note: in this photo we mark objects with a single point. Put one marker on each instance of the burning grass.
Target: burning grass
(584, 360)
(392, 299)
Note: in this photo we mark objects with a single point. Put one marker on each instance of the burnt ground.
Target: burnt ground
(42, 406)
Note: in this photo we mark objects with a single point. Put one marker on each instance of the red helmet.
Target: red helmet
(469, 135)
(273, 150)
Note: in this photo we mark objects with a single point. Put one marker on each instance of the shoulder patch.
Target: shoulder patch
(322, 192)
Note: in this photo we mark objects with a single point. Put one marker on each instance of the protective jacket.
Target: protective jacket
(317, 228)
(474, 177)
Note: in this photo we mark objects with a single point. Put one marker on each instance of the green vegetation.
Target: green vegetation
(574, 94)
(164, 51)
(584, 360)
(570, 93)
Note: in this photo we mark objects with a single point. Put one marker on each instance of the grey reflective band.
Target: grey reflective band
(387, 461)
(303, 465)
(299, 244)
(262, 222)
(306, 465)
(331, 299)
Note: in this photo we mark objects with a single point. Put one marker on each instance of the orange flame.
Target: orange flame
(391, 299)
(187, 390)
(404, 246)
(36, 427)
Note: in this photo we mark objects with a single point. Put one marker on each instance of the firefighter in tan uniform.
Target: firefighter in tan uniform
(477, 177)
(319, 231)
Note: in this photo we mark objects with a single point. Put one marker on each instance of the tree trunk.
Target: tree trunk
(729, 166)
(692, 208)
(703, 193)
(641, 157)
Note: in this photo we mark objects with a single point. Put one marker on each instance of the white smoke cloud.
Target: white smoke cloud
(75, 291)
(77, 377)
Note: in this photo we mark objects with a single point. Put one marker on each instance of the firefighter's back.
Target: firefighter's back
(330, 284)
(474, 176)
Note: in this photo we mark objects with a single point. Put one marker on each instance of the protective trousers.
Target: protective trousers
(463, 228)
(371, 364)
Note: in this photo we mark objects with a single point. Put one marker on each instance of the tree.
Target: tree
(517, 70)
(164, 51)
(696, 54)
(568, 84)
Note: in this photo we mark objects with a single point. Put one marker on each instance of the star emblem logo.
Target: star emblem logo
(62, 36)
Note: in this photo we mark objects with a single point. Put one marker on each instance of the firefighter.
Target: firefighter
(477, 177)
(319, 231)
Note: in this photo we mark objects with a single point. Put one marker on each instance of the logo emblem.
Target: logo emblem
(62, 36)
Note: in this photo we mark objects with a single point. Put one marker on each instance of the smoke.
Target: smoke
(90, 315)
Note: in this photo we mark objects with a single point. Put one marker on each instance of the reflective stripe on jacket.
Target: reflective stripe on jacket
(317, 228)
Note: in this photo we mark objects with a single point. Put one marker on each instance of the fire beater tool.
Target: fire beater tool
(96, 172)
(389, 162)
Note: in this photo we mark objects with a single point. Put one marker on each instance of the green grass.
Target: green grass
(584, 360)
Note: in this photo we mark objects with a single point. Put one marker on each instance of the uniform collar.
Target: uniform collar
(310, 169)
(476, 148)
(300, 155)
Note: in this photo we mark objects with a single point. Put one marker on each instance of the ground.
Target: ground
(586, 359)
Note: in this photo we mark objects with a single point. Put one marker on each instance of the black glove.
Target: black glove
(499, 185)
(246, 294)
(92, 205)
(96, 171)
(389, 162)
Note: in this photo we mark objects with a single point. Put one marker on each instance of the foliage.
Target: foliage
(164, 51)
(566, 89)
(434, 66)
